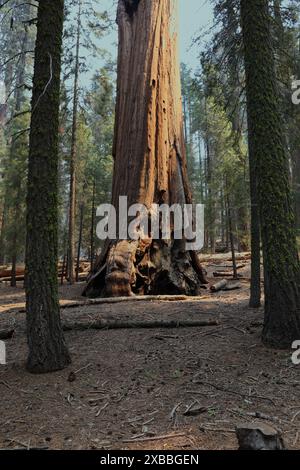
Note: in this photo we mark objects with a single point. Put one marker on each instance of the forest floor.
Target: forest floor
(133, 389)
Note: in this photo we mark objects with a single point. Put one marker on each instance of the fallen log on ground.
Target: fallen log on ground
(219, 286)
(225, 258)
(136, 324)
(227, 266)
(8, 279)
(138, 298)
(241, 257)
(225, 274)
(6, 334)
(224, 285)
(6, 272)
(81, 278)
(234, 286)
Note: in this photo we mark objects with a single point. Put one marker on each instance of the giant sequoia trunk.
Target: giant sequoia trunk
(149, 152)
(267, 144)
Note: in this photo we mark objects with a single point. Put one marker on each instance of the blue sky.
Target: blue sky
(194, 16)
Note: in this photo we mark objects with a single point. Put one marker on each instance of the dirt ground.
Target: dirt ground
(184, 388)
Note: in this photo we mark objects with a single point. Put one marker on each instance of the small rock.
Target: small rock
(195, 411)
(259, 436)
(72, 377)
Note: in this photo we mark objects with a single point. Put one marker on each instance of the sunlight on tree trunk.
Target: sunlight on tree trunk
(149, 152)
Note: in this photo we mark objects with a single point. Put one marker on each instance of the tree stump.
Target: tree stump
(259, 436)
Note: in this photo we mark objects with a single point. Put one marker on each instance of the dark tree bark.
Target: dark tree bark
(92, 244)
(266, 137)
(13, 282)
(255, 286)
(63, 270)
(2, 230)
(47, 348)
(230, 230)
(149, 153)
(296, 185)
(24, 10)
(79, 240)
(72, 203)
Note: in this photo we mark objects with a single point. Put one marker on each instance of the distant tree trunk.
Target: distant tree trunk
(279, 37)
(47, 348)
(235, 115)
(92, 244)
(266, 137)
(3, 226)
(72, 203)
(19, 97)
(211, 219)
(13, 282)
(200, 166)
(149, 152)
(63, 270)
(230, 230)
(223, 217)
(79, 240)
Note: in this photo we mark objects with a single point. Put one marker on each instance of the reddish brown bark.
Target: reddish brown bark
(149, 154)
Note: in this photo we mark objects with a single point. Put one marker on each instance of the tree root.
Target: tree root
(147, 267)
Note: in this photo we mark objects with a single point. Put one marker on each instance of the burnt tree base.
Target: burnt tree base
(146, 268)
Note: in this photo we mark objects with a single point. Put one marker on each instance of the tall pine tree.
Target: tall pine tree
(47, 348)
(267, 144)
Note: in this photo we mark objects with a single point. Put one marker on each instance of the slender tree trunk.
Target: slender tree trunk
(13, 281)
(79, 240)
(92, 234)
(266, 138)
(149, 152)
(206, 192)
(230, 231)
(18, 102)
(210, 196)
(200, 167)
(223, 217)
(3, 227)
(19, 96)
(211, 203)
(47, 348)
(63, 270)
(227, 228)
(72, 204)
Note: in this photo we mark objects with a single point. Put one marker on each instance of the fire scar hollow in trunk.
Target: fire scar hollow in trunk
(149, 155)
